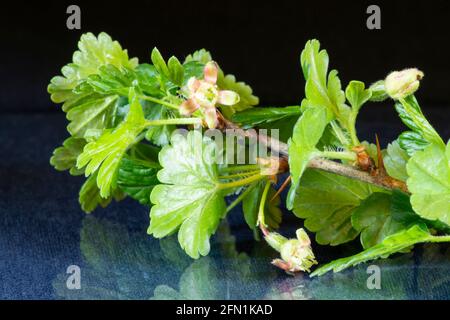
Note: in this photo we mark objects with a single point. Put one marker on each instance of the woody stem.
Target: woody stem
(316, 163)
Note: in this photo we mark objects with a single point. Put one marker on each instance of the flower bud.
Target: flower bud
(400, 84)
(296, 254)
(275, 240)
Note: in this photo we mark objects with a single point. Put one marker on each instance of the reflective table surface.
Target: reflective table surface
(43, 232)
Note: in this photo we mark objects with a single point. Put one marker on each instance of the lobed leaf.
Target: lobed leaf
(137, 178)
(392, 244)
(375, 220)
(109, 80)
(429, 182)
(90, 197)
(252, 117)
(403, 212)
(357, 95)
(96, 113)
(302, 145)
(327, 202)
(65, 157)
(395, 161)
(422, 132)
(106, 153)
(93, 53)
(247, 99)
(188, 200)
(202, 56)
(88, 110)
(412, 142)
(320, 89)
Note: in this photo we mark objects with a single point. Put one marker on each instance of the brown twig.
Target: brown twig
(318, 163)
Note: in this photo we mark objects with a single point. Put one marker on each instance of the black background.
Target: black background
(260, 42)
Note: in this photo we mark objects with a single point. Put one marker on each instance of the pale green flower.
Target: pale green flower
(400, 84)
(204, 95)
(296, 254)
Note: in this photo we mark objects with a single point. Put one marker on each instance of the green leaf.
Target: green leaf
(302, 145)
(90, 198)
(390, 245)
(327, 202)
(188, 200)
(159, 63)
(65, 157)
(109, 80)
(245, 92)
(194, 64)
(403, 212)
(395, 161)
(145, 152)
(250, 206)
(88, 110)
(321, 90)
(96, 113)
(169, 76)
(203, 56)
(137, 178)
(329, 140)
(148, 79)
(412, 142)
(106, 153)
(374, 219)
(429, 182)
(378, 91)
(110, 84)
(158, 135)
(252, 117)
(357, 95)
(411, 115)
(176, 71)
(93, 53)
(192, 69)
(284, 127)
(423, 133)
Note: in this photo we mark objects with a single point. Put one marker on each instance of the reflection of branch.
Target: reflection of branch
(351, 172)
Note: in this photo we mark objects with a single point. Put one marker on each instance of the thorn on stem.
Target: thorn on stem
(380, 161)
(282, 187)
